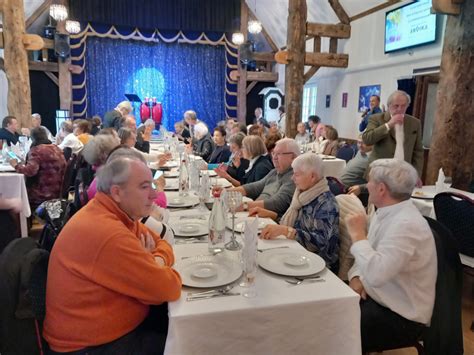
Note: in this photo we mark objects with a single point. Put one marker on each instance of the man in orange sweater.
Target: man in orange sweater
(106, 270)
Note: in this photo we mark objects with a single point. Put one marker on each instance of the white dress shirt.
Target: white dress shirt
(398, 264)
(71, 141)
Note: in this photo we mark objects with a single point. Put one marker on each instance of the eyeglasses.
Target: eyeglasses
(278, 155)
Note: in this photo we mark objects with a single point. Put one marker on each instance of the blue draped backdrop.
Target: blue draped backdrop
(181, 76)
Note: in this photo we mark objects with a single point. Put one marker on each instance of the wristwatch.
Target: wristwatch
(245, 206)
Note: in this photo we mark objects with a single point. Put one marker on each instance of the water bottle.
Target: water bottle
(217, 225)
(184, 176)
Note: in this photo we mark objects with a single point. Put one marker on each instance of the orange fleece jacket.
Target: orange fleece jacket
(101, 280)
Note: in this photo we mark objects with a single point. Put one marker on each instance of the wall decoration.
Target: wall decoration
(365, 92)
(344, 99)
(328, 101)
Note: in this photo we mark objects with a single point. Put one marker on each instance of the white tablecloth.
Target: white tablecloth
(12, 185)
(333, 167)
(312, 318)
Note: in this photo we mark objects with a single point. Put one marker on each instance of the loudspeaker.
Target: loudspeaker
(61, 45)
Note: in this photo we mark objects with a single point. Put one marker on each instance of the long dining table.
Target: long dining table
(310, 318)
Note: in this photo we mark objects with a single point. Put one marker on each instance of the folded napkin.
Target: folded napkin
(249, 251)
(439, 186)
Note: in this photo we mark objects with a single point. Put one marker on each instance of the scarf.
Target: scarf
(302, 198)
(399, 138)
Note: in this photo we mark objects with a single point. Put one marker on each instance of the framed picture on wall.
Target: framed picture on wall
(365, 92)
(344, 99)
(328, 101)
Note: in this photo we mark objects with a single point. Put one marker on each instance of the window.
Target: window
(309, 102)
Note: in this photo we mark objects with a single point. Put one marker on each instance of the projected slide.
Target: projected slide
(409, 26)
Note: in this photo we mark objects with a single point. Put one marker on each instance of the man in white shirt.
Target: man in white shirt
(395, 265)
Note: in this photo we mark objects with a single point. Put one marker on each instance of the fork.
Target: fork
(298, 282)
(216, 290)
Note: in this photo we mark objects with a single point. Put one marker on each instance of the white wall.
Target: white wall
(368, 65)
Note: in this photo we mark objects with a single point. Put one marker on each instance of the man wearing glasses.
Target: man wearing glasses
(275, 191)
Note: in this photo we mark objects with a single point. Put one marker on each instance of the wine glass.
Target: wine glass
(233, 200)
(203, 192)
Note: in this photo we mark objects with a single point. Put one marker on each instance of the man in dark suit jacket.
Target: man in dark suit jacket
(384, 129)
(8, 132)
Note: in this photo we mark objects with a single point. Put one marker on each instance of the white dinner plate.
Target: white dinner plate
(189, 227)
(240, 224)
(204, 271)
(291, 262)
(423, 193)
(175, 201)
(171, 185)
(211, 173)
(171, 164)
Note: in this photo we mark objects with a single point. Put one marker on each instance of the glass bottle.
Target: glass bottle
(217, 225)
(184, 176)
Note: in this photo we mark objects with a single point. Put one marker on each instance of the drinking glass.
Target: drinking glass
(203, 192)
(233, 200)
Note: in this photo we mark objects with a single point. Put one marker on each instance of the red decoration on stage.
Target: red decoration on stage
(151, 109)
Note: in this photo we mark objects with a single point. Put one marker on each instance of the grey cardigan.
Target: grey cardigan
(276, 191)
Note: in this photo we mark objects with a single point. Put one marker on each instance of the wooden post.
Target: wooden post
(294, 74)
(242, 83)
(16, 62)
(453, 133)
(65, 78)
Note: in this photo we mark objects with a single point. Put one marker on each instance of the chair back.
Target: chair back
(69, 176)
(348, 204)
(444, 335)
(456, 212)
(336, 186)
(67, 151)
(346, 152)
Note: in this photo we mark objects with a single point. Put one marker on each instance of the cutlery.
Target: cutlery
(214, 253)
(193, 217)
(298, 282)
(194, 241)
(307, 277)
(214, 295)
(225, 289)
(262, 250)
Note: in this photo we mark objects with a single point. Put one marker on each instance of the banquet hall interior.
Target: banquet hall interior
(293, 155)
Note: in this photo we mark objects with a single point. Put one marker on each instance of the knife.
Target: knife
(262, 250)
(203, 297)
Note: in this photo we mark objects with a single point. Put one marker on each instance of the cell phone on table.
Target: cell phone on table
(12, 155)
(157, 175)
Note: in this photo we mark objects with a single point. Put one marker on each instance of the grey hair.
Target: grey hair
(309, 162)
(399, 176)
(200, 130)
(95, 152)
(291, 145)
(149, 122)
(115, 172)
(66, 126)
(237, 139)
(126, 152)
(37, 116)
(397, 93)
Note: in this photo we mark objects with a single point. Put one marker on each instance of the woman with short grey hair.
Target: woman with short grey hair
(202, 143)
(98, 149)
(313, 216)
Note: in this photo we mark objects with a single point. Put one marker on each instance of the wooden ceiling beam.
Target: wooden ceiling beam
(332, 60)
(44, 66)
(37, 13)
(263, 56)
(251, 86)
(324, 30)
(374, 9)
(309, 74)
(340, 12)
(53, 77)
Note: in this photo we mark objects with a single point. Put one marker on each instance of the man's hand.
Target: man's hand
(160, 183)
(13, 162)
(148, 243)
(262, 212)
(356, 190)
(189, 148)
(357, 226)
(357, 286)
(396, 119)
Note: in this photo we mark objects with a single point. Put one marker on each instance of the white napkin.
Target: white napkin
(249, 251)
(440, 182)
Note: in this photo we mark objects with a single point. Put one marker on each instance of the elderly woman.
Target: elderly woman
(221, 152)
(44, 168)
(313, 216)
(332, 145)
(235, 170)
(129, 138)
(254, 150)
(144, 133)
(202, 143)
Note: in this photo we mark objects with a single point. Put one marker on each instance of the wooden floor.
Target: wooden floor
(467, 319)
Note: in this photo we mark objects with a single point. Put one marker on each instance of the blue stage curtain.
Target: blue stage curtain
(181, 77)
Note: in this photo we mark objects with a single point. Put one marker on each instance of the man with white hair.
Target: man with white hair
(114, 117)
(395, 265)
(107, 270)
(395, 134)
(274, 191)
(36, 122)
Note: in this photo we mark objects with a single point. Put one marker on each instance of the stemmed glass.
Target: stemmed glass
(203, 192)
(233, 200)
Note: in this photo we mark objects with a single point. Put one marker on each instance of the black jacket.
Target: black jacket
(259, 170)
(11, 138)
(220, 155)
(238, 173)
(112, 119)
(204, 147)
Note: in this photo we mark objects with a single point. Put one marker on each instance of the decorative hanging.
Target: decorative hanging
(73, 27)
(58, 12)
(238, 38)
